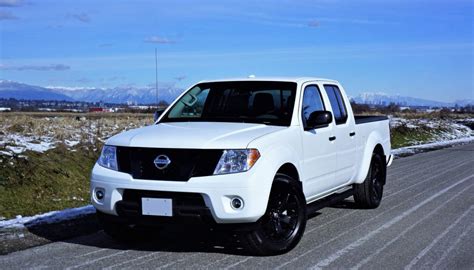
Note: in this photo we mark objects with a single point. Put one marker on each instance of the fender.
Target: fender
(370, 143)
(274, 156)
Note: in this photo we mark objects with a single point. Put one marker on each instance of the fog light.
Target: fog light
(99, 194)
(237, 203)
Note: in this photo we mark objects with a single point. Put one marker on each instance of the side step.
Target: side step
(329, 200)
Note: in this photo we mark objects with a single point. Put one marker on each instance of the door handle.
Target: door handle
(352, 133)
(332, 138)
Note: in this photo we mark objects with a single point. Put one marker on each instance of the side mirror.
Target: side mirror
(157, 114)
(318, 119)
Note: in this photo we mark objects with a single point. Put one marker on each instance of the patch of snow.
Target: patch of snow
(5, 153)
(417, 148)
(16, 149)
(71, 143)
(47, 218)
(22, 143)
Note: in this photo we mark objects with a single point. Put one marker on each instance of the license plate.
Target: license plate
(157, 207)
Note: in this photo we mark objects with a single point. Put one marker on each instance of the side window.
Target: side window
(312, 101)
(337, 103)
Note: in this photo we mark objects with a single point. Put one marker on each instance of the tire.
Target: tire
(122, 232)
(369, 194)
(281, 227)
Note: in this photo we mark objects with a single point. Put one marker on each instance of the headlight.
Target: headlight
(108, 157)
(234, 161)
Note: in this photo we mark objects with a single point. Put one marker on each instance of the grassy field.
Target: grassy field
(46, 158)
(411, 129)
(55, 179)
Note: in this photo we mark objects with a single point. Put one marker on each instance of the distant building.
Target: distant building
(102, 109)
(96, 109)
(5, 109)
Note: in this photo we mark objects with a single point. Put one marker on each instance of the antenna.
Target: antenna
(156, 77)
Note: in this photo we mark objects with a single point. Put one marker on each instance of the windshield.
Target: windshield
(261, 102)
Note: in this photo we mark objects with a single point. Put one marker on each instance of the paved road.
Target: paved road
(426, 220)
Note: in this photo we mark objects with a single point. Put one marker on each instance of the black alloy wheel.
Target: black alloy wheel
(369, 193)
(282, 226)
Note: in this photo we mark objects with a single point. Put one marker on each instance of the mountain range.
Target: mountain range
(124, 94)
(11, 89)
(147, 95)
(385, 99)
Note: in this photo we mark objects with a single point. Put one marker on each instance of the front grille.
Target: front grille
(185, 163)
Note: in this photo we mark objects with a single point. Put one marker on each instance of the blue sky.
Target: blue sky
(420, 48)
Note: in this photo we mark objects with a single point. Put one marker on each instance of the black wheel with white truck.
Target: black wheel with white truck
(253, 156)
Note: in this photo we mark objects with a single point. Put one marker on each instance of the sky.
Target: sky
(418, 48)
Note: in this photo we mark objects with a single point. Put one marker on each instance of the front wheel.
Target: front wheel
(369, 193)
(284, 222)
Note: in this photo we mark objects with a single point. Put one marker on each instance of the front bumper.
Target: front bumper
(217, 191)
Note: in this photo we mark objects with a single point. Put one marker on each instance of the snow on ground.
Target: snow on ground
(20, 133)
(47, 218)
(18, 143)
(409, 150)
(440, 129)
(71, 143)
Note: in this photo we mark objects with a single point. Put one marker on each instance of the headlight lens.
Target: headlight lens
(234, 161)
(108, 157)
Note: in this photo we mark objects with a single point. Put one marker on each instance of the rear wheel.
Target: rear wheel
(284, 222)
(369, 193)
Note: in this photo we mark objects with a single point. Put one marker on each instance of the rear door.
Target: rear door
(345, 135)
(319, 152)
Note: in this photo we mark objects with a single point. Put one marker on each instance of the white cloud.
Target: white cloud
(159, 40)
(11, 3)
(82, 17)
(313, 23)
(5, 15)
(52, 67)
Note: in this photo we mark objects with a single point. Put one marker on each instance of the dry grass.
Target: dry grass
(70, 126)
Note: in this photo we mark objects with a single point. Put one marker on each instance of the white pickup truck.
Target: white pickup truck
(253, 155)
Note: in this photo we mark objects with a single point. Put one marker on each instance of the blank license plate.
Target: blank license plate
(157, 207)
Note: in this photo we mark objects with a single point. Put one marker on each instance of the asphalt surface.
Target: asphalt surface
(426, 221)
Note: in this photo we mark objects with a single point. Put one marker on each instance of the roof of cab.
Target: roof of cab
(273, 79)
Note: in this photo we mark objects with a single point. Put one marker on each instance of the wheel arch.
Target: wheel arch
(290, 169)
(373, 146)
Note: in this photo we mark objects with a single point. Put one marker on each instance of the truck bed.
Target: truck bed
(362, 119)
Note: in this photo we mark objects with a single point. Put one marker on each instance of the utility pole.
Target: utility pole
(156, 77)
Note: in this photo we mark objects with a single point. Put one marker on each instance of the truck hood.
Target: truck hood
(193, 135)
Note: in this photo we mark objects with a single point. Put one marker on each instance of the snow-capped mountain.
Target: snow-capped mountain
(129, 94)
(385, 99)
(11, 89)
(125, 94)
